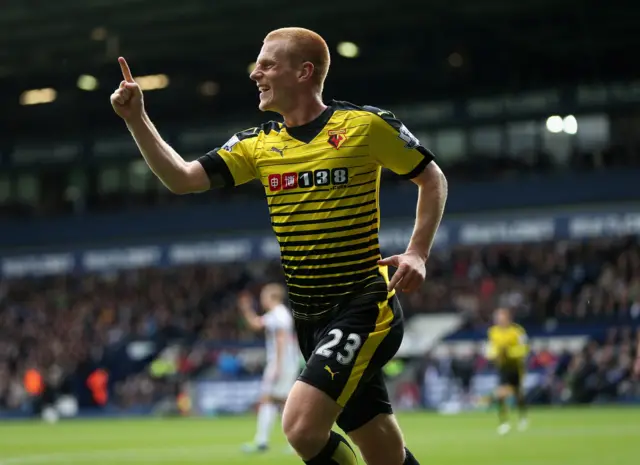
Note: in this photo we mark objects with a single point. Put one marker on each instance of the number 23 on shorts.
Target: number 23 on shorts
(334, 366)
(346, 354)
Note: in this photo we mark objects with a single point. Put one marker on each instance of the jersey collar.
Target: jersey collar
(307, 132)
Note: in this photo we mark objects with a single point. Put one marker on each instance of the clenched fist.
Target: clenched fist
(127, 100)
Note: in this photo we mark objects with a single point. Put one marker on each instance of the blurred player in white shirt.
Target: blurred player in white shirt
(283, 359)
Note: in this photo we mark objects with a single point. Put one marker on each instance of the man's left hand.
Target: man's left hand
(410, 273)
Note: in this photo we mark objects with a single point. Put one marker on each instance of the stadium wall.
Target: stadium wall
(396, 202)
(394, 236)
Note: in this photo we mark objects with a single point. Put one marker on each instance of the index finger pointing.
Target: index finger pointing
(126, 72)
(396, 279)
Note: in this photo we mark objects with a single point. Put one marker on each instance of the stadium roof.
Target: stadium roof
(408, 50)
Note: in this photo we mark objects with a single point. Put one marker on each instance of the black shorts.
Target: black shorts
(346, 350)
(511, 376)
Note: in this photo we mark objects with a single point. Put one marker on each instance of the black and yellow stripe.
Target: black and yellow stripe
(328, 237)
(327, 227)
(381, 330)
(375, 318)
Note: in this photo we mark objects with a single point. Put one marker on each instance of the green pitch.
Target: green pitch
(555, 437)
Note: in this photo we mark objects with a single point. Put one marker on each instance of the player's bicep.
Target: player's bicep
(431, 176)
(265, 321)
(215, 170)
(394, 147)
(195, 178)
(232, 164)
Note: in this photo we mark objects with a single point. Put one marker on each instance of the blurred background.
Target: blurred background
(118, 298)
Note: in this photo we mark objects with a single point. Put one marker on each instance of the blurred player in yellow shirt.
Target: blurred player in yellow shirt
(507, 348)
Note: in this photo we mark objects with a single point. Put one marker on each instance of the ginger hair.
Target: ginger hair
(306, 46)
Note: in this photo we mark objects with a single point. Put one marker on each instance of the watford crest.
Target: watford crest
(337, 138)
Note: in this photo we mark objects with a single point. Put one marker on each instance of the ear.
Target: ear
(306, 71)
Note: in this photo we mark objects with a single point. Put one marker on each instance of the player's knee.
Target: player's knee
(308, 417)
(305, 437)
(380, 441)
(301, 432)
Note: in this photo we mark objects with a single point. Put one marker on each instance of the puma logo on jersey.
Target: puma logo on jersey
(280, 151)
(326, 367)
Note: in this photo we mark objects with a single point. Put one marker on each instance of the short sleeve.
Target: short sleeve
(268, 320)
(232, 164)
(490, 349)
(394, 147)
(522, 335)
(275, 320)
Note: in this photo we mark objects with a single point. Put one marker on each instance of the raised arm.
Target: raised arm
(245, 305)
(178, 175)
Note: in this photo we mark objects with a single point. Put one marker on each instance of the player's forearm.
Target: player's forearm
(279, 356)
(252, 319)
(163, 160)
(432, 197)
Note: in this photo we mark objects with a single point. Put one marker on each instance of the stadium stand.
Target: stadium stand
(68, 326)
(120, 298)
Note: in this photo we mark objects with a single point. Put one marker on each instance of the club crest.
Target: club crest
(337, 138)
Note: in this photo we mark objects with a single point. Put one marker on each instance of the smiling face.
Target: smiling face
(280, 76)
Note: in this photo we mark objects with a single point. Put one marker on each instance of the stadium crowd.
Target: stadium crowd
(69, 327)
(566, 280)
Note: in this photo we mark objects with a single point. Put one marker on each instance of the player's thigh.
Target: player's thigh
(354, 346)
(380, 440)
(509, 381)
(370, 400)
(517, 382)
(342, 354)
(503, 391)
(309, 414)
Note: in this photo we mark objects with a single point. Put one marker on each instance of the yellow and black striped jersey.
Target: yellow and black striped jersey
(507, 345)
(321, 181)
